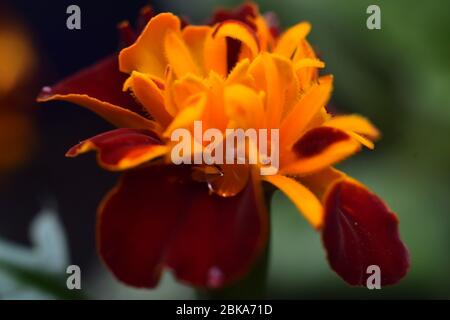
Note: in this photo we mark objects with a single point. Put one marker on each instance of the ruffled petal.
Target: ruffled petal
(360, 231)
(319, 148)
(244, 107)
(195, 37)
(274, 76)
(150, 95)
(158, 217)
(291, 38)
(122, 149)
(310, 104)
(178, 55)
(99, 89)
(230, 42)
(147, 54)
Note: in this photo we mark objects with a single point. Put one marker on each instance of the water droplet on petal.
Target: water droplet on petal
(46, 90)
(215, 277)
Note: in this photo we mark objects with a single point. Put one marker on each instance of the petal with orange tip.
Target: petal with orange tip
(122, 149)
(99, 89)
(354, 123)
(305, 201)
(308, 62)
(319, 148)
(291, 38)
(147, 54)
(149, 95)
(360, 231)
(311, 103)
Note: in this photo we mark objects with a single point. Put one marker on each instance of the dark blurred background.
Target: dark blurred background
(397, 76)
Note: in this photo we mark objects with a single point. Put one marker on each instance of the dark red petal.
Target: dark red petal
(102, 81)
(272, 21)
(145, 15)
(133, 145)
(360, 231)
(318, 139)
(127, 35)
(158, 217)
(246, 13)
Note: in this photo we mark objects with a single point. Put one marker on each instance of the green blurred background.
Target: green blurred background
(399, 77)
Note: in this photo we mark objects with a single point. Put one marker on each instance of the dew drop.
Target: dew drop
(215, 277)
(46, 90)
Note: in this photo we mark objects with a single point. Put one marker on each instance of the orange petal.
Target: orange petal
(354, 123)
(239, 31)
(195, 37)
(178, 55)
(265, 37)
(274, 75)
(319, 148)
(185, 87)
(308, 62)
(147, 54)
(215, 54)
(149, 95)
(216, 46)
(192, 111)
(240, 73)
(304, 111)
(244, 106)
(305, 201)
(291, 38)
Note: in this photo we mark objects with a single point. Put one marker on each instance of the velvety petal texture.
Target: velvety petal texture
(158, 217)
(359, 231)
(122, 149)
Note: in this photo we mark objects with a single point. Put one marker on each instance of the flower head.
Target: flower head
(208, 222)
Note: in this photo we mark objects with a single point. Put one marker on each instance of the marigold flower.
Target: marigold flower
(208, 223)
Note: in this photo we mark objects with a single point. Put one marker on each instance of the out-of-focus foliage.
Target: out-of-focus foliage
(38, 272)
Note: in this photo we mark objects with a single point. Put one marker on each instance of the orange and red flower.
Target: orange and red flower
(209, 223)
